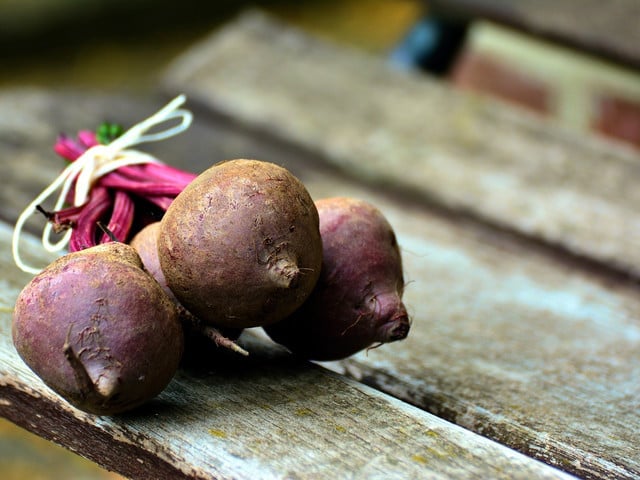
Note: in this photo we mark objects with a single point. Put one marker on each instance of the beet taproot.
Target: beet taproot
(99, 330)
(357, 301)
(240, 246)
(145, 243)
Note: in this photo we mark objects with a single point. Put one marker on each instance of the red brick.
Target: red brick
(482, 73)
(618, 118)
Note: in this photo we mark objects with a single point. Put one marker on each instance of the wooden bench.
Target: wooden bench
(522, 251)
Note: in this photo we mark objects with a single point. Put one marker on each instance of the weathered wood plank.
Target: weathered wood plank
(518, 343)
(511, 339)
(414, 134)
(269, 416)
(611, 32)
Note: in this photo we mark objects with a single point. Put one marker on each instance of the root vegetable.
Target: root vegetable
(98, 330)
(146, 245)
(357, 301)
(240, 246)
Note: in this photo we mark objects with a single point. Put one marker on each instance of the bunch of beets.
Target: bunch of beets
(156, 252)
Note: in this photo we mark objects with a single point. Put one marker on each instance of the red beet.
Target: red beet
(146, 244)
(240, 246)
(99, 330)
(357, 301)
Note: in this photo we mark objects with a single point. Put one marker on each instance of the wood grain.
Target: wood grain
(517, 343)
(511, 339)
(413, 134)
(269, 416)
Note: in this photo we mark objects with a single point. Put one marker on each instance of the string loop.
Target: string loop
(94, 163)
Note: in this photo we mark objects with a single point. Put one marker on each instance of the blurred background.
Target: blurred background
(488, 47)
(576, 63)
(124, 45)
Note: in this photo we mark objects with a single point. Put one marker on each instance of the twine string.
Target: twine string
(94, 163)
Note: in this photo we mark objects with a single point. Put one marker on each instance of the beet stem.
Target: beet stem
(90, 161)
(48, 215)
(121, 217)
(107, 232)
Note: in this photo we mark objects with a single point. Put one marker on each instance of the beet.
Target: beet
(146, 245)
(357, 301)
(240, 246)
(99, 330)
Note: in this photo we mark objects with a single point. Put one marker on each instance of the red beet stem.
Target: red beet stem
(84, 234)
(87, 138)
(117, 181)
(121, 218)
(161, 202)
(71, 149)
(68, 148)
(120, 192)
(62, 219)
(158, 172)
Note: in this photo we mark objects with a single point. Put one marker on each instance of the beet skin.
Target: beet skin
(357, 301)
(240, 246)
(99, 330)
(145, 243)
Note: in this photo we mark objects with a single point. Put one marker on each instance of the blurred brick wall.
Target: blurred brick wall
(579, 91)
(618, 118)
(483, 73)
